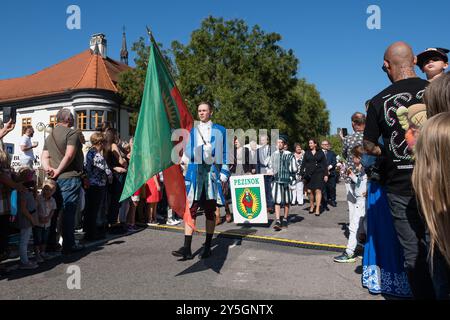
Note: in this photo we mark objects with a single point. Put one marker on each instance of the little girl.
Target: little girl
(46, 208)
(430, 179)
(433, 62)
(27, 215)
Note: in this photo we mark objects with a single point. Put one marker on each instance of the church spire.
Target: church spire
(124, 51)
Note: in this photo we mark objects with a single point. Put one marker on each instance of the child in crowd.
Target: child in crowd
(46, 207)
(433, 62)
(125, 206)
(134, 200)
(151, 192)
(27, 217)
(430, 179)
(131, 217)
(153, 196)
(172, 218)
(99, 175)
(356, 198)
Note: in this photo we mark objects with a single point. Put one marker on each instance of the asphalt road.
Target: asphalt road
(140, 266)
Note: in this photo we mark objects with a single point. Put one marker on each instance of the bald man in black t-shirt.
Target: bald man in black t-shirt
(407, 89)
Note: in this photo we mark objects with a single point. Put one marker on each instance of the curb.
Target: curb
(260, 239)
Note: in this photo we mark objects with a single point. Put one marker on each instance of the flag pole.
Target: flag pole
(152, 39)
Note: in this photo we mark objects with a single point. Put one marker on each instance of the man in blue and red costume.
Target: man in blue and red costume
(207, 167)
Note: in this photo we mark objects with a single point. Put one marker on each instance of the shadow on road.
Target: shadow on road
(220, 248)
(15, 273)
(359, 269)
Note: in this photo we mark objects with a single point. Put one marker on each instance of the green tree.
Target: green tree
(251, 80)
(310, 119)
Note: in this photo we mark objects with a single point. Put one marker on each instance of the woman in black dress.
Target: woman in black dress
(315, 174)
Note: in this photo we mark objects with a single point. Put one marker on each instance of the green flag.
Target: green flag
(162, 111)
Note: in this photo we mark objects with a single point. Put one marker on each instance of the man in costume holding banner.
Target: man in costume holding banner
(207, 154)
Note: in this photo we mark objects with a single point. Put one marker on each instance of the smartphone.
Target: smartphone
(344, 132)
(9, 113)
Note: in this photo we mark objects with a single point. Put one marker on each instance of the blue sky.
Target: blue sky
(337, 52)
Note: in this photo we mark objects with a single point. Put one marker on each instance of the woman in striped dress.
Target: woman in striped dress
(284, 167)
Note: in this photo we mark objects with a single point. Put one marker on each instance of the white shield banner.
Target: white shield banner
(249, 199)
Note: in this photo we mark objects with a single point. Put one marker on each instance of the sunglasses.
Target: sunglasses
(384, 68)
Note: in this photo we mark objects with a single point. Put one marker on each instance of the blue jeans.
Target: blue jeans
(95, 196)
(40, 235)
(25, 235)
(69, 190)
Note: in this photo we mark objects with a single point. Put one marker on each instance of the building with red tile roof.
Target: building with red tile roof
(86, 83)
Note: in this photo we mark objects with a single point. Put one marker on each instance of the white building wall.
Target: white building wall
(42, 113)
(12, 140)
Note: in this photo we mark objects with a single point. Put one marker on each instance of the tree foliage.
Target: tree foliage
(251, 80)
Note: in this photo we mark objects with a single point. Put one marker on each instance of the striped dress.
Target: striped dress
(284, 167)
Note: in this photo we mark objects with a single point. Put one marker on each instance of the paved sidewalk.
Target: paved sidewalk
(330, 228)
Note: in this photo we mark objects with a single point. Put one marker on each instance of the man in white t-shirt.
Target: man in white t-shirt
(26, 148)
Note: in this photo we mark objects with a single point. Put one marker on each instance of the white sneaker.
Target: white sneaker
(173, 222)
(28, 266)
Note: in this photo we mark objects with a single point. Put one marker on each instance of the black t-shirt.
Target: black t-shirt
(382, 121)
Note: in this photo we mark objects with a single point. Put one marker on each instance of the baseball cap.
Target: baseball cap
(430, 53)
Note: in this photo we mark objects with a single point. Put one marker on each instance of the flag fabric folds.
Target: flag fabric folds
(162, 111)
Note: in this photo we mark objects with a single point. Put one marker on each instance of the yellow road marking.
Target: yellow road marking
(324, 245)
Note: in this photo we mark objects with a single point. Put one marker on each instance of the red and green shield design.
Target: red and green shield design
(248, 202)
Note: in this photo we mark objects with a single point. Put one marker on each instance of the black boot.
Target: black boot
(207, 249)
(206, 253)
(184, 253)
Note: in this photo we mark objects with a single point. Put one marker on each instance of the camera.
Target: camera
(9, 113)
(372, 166)
(30, 185)
(373, 173)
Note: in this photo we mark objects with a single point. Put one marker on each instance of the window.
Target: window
(26, 122)
(90, 120)
(52, 122)
(111, 118)
(81, 120)
(96, 119)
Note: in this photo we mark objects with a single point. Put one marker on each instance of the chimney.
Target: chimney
(100, 41)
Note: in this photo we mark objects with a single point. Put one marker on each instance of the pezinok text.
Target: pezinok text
(242, 182)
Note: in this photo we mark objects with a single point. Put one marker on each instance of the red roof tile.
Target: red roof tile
(83, 71)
